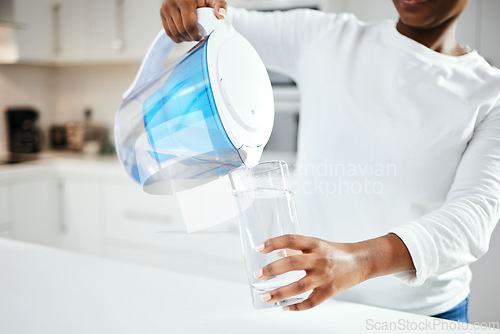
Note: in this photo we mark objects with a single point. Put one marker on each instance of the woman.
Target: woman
(399, 151)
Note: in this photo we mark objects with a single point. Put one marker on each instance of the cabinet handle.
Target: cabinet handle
(147, 217)
(118, 44)
(56, 28)
(62, 205)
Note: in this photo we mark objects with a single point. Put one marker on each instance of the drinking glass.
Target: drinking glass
(266, 210)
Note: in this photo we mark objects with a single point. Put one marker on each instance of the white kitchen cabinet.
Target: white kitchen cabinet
(35, 211)
(82, 31)
(5, 219)
(122, 29)
(70, 22)
(81, 208)
(35, 34)
(129, 214)
(4, 205)
(52, 31)
(143, 22)
(149, 230)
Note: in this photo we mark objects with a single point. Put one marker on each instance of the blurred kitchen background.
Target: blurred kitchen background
(64, 65)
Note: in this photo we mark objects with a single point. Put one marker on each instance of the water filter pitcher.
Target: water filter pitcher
(209, 112)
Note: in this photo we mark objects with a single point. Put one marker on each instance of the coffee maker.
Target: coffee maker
(24, 135)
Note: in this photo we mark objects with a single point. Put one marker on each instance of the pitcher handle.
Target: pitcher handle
(162, 46)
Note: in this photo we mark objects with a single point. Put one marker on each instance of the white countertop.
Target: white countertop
(68, 165)
(45, 290)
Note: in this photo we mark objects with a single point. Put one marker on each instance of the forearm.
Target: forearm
(331, 267)
(381, 256)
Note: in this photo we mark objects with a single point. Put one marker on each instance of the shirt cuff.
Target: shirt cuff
(423, 252)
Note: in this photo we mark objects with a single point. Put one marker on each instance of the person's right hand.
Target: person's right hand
(180, 20)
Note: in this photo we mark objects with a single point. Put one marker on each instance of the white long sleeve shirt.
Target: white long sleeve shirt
(393, 137)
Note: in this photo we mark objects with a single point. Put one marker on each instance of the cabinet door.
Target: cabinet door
(4, 205)
(150, 230)
(36, 31)
(81, 208)
(52, 30)
(35, 215)
(122, 29)
(4, 211)
(142, 23)
(70, 23)
(131, 214)
(102, 28)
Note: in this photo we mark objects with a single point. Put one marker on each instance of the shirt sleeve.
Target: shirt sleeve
(458, 233)
(281, 37)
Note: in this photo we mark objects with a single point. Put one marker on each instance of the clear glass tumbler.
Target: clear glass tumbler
(266, 210)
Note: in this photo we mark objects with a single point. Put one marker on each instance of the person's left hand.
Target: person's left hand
(330, 269)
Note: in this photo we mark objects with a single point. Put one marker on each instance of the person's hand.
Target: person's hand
(179, 17)
(330, 267)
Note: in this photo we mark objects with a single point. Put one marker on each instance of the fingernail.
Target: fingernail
(222, 12)
(260, 247)
(265, 297)
(286, 308)
(258, 273)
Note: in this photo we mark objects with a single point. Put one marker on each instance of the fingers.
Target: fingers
(305, 284)
(179, 25)
(167, 11)
(292, 241)
(172, 32)
(318, 296)
(189, 23)
(164, 21)
(180, 20)
(284, 265)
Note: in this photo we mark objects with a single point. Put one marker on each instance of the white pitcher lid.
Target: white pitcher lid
(242, 91)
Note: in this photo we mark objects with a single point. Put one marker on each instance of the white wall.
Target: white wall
(485, 287)
(98, 87)
(22, 85)
(62, 93)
